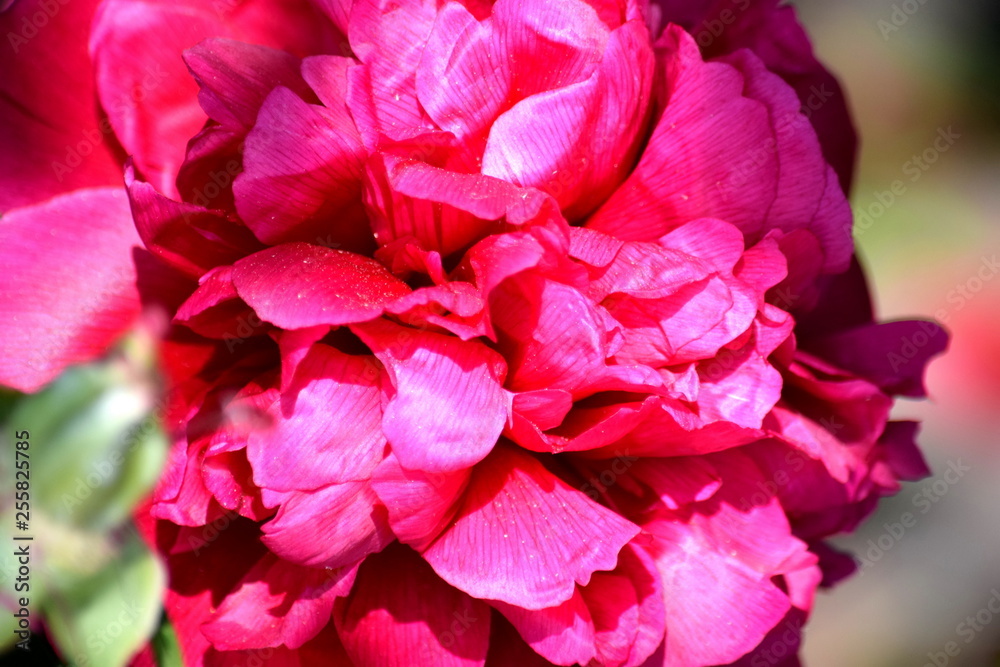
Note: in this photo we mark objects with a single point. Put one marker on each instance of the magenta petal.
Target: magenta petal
(807, 191)
(447, 405)
(389, 40)
(46, 322)
(718, 563)
(236, 77)
(892, 355)
(901, 451)
(326, 425)
(552, 335)
(400, 613)
(297, 285)
(524, 537)
(301, 173)
(563, 634)
(333, 527)
(727, 146)
(555, 44)
(215, 310)
(443, 210)
(276, 603)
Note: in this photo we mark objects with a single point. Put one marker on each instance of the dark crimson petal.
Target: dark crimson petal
(893, 355)
(186, 236)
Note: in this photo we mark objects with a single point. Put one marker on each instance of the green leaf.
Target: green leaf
(104, 619)
(166, 647)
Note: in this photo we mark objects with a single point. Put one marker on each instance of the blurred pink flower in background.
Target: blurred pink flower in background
(500, 333)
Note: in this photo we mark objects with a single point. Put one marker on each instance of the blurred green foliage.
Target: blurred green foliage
(94, 451)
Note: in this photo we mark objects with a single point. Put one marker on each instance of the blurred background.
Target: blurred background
(924, 83)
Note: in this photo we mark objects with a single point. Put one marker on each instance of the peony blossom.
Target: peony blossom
(501, 333)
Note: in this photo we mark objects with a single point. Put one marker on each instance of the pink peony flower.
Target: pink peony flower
(502, 333)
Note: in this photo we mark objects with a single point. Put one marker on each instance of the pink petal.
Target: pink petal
(462, 81)
(336, 526)
(276, 603)
(332, 403)
(524, 537)
(507, 648)
(301, 174)
(717, 566)
(181, 495)
(725, 147)
(420, 504)
(548, 140)
(142, 81)
(143, 85)
(53, 139)
(807, 192)
(327, 76)
(47, 322)
(297, 285)
(627, 606)
(554, 44)
(214, 310)
(388, 40)
(447, 405)
(400, 613)
(678, 482)
(563, 634)
(551, 334)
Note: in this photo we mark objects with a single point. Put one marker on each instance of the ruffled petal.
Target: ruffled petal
(446, 403)
(276, 603)
(333, 527)
(524, 537)
(325, 426)
(301, 177)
